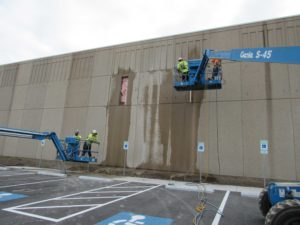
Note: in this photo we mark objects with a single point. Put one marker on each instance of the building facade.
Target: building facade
(126, 93)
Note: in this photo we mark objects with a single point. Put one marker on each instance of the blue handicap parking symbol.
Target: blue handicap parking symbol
(5, 196)
(128, 218)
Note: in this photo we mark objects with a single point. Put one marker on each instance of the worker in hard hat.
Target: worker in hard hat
(77, 145)
(216, 69)
(91, 138)
(77, 135)
(183, 69)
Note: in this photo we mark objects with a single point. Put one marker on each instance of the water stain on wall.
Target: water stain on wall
(118, 118)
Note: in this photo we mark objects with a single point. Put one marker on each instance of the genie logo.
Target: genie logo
(246, 55)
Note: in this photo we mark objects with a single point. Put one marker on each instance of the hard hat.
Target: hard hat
(94, 132)
(77, 131)
(180, 58)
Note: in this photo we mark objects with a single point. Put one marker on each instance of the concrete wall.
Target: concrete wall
(82, 91)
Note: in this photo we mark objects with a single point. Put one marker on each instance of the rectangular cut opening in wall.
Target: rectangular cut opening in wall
(124, 89)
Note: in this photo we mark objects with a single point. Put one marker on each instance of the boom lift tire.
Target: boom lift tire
(264, 202)
(284, 213)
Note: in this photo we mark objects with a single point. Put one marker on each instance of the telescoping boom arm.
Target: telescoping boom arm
(11, 132)
(287, 55)
(198, 78)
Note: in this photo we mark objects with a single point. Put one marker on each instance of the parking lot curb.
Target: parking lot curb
(51, 174)
(102, 179)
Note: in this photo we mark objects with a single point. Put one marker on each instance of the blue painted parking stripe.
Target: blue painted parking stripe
(6, 196)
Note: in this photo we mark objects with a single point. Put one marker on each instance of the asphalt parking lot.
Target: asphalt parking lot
(27, 197)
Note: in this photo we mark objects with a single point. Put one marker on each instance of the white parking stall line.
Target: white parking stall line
(91, 197)
(221, 208)
(30, 206)
(133, 187)
(101, 205)
(31, 215)
(58, 206)
(16, 174)
(38, 182)
(96, 192)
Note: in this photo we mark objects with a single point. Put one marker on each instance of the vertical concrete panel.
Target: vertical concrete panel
(6, 96)
(184, 132)
(170, 56)
(225, 39)
(24, 73)
(96, 119)
(296, 126)
(31, 120)
(56, 95)
(74, 118)
(18, 101)
(99, 91)
(153, 140)
(230, 138)
(118, 131)
(255, 128)
(4, 115)
(254, 81)
(294, 80)
(163, 57)
(11, 144)
(78, 93)
(231, 88)
(103, 62)
(279, 81)
(149, 88)
(35, 96)
(166, 86)
(208, 133)
(52, 121)
(282, 154)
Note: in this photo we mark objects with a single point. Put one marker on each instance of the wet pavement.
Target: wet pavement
(29, 197)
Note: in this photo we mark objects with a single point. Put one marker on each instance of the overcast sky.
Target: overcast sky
(38, 28)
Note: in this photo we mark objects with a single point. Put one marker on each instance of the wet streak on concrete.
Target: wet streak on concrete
(269, 103)
(165, 121)
(118, 118)
(178, 131)
(184, 133)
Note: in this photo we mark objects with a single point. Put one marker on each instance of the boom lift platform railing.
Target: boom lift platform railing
(198, 75)
(67, 150)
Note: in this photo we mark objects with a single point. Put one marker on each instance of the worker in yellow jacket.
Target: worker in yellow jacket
(183, 68)
(77, 135)
(91, 138)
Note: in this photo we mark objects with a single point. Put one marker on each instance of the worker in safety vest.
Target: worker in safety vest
(91, 138)
(216, 69)
(183, 68)
(77, 136)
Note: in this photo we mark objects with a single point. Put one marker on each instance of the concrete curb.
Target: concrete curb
(188, 187)
(184, 186)
(51, 174)
(102, 179)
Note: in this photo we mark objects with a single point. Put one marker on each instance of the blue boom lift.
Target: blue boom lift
(278, 202)
(69, 151)
(198, 73)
